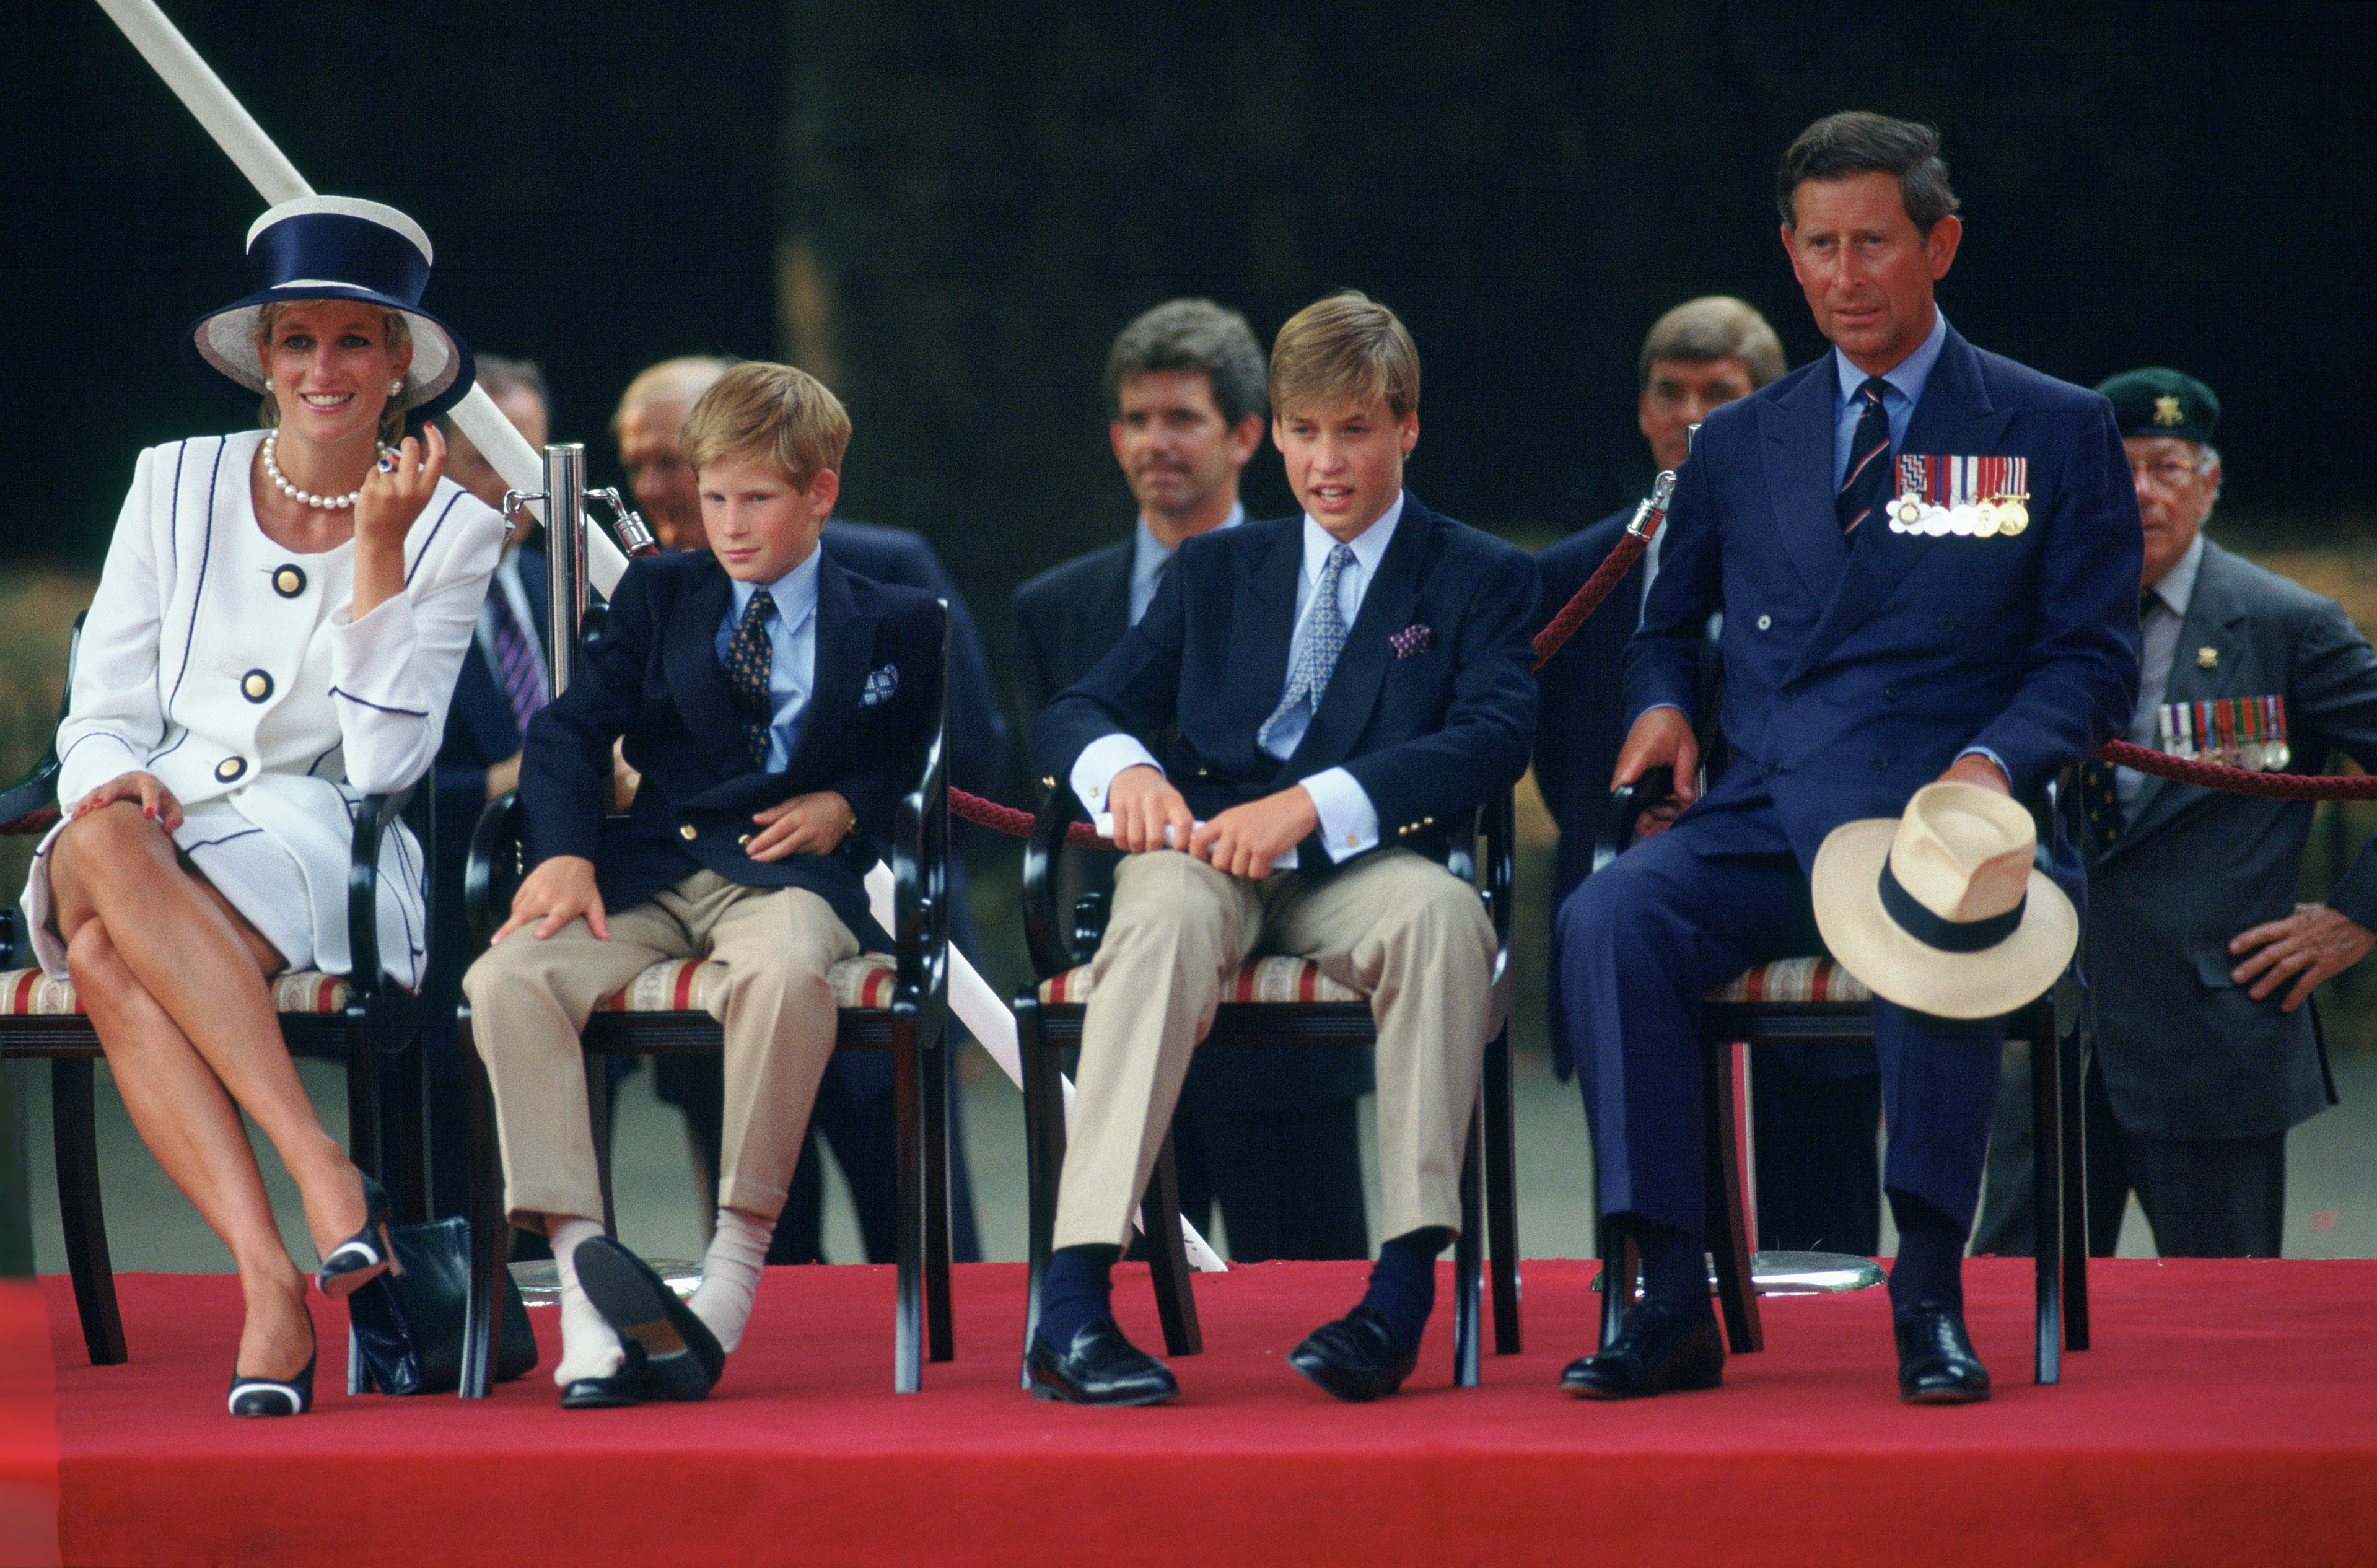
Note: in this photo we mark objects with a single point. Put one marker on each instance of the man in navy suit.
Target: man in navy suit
(854, 1110)
(1866, 655)
(1338, 688)
(773, 704)
(1271, 1134)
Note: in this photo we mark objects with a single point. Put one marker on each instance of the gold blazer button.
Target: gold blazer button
(689, 833)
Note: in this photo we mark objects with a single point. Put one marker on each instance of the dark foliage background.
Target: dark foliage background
(948, 210)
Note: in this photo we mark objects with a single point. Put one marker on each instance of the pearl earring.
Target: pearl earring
(268, 383)
(394, 388)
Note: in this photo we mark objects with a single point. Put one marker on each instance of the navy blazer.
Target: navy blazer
(1429, 729)
(481, 730)
(652, 676)
(977, 740)
(1856, 667)
(1069, 616)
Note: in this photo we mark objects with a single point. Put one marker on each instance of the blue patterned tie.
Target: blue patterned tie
(747, 660)
(1866, 487)
(1324, 639)
(516, 663)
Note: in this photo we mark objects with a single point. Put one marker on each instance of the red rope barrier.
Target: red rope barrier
(31, 824)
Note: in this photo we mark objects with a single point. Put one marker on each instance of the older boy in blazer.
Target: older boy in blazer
(772, 704)
(1341, 686)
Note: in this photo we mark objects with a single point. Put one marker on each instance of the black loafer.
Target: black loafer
(1935, 1364)
(1659, 1347)
(629, 1385)
(1355, 1358)
(1099, 1368)
(681, 1356)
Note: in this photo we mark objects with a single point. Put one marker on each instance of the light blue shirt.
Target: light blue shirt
(1902, 389)
(791, 657)
(1150, 555)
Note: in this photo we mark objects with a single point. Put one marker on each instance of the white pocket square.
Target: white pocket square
(879, 686)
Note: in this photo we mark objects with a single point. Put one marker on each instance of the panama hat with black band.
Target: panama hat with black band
(1941, 910)
(336, 248)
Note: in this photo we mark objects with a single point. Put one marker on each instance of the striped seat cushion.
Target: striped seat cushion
(686, 985)
(1794, 980)
(29, 993)
(1272, 978)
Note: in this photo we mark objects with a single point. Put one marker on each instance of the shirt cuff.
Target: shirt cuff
(1984, 751)
(1101, 759)
(1349, 823)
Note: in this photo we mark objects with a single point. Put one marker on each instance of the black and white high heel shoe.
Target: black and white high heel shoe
(270, 1397)
(366, 1255)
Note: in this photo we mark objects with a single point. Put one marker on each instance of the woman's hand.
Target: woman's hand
(157, 802)
(807, 824)
(394, 494)
(557, 891)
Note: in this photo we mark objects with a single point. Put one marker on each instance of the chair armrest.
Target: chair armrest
(492, 868)
(37, 791)
(372, 815)
(1498, 819)
(1044, 934)
(1627, 803)
(920, 873)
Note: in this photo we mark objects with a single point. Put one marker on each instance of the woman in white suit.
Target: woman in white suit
(276, 633)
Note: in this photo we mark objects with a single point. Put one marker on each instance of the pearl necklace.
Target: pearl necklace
(330, 503)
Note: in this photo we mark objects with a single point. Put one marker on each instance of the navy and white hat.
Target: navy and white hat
(337, 247)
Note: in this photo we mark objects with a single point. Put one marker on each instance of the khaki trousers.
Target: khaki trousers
(1399, 927)
(530, 999)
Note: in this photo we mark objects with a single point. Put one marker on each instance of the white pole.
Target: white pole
(277, 180)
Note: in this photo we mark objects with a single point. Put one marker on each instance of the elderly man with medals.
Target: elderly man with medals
(1927, 557)
(2199, 960)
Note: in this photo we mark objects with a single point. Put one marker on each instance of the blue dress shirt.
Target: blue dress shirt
(1902, 389)
(792, 658)
(1150, 555)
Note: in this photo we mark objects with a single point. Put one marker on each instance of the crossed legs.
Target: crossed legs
(174, 981)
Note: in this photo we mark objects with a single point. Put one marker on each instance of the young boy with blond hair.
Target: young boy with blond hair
(773, 704)
(1340, 688)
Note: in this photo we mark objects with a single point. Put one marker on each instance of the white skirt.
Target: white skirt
(245, 864)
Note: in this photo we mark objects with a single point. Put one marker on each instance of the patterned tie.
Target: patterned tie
(2100, 795)
(515, 663)
(747, 659)
(1324, 639)
(1867, 487)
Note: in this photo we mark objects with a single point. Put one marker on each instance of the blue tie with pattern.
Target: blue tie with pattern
(747, 661)
(1867, 486)
(1324, 639)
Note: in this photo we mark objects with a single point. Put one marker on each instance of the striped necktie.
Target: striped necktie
(748, 659)
(515, 663)
(1324, 639)
(1867, 487)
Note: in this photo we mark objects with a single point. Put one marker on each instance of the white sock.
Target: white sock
(589, 1348)
(730, 1274)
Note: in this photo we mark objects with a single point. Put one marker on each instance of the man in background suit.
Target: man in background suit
(1815, 1108)
(1866, 655)
(854, 1108)
(1271, 1135)
(502, 684)
(2198, 958)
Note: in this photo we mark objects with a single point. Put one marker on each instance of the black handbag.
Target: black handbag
(408, 1327)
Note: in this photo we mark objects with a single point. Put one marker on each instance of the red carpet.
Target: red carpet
(2229, 1415)
(28, 1429)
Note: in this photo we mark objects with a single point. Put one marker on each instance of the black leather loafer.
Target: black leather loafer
(1935, 1364)
(629, 1385)
(681, 1356)
(1660, 1347)
(1099, 1368)
(1355, 1358)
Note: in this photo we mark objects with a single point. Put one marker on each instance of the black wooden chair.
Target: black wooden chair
(1812, 999)
(896, 1002)
(1275, 1002)
(366, 1020)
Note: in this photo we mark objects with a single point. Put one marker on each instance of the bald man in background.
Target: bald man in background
(854, 1108)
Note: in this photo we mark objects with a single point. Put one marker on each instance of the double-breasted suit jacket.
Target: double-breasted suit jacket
(2184, 1050)
(652, 676)
(1856, 669)
(232, 669)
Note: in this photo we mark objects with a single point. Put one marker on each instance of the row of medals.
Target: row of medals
(1996, 515)
(2248, 745)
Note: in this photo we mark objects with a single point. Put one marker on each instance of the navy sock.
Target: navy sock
(1930, 1262)
(1403, 1283)
(1675, 1262)
(1075, 1293)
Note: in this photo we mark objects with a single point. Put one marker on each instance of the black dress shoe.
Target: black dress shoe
(1355, 1358)
(629, 1385)
(366, 1255)
(1935, 1364)
(1099, 1368)
(272, 1397)
(1660, 1346)
(681, 1356)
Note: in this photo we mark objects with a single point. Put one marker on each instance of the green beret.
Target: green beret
(2156, 402)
